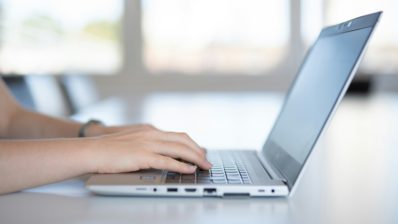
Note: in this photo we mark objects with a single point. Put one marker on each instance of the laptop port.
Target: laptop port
(209, 191)
(190, 190)
(172, 189)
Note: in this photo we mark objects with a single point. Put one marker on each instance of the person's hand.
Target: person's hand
(132, 148)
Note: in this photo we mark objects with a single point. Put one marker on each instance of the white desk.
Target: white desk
(351, 176)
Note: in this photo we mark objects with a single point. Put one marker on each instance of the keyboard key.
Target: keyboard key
(233, 175)
(188, 181)
(204, 181)
(219, 181)
(218, 178)
(218, 175)
(234, 179)
(188, 177)
(234, 182)
(227, 169)
(172, 181)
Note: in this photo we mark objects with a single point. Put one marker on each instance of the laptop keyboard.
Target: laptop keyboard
(227, 169)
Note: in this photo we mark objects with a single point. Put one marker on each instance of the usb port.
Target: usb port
(190, 190)
(208, 191)
(172, 189)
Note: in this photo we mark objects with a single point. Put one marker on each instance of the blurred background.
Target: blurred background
(217, 70)
(132, 46)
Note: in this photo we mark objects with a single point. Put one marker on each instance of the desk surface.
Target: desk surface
(351, 176)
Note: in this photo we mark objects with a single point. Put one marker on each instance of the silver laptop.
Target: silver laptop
(318, 88)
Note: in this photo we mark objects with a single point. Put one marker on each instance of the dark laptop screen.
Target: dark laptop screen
(312, 97)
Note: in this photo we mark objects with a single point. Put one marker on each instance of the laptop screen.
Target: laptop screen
(314, 94)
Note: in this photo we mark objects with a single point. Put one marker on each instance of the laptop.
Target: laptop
(319, 86)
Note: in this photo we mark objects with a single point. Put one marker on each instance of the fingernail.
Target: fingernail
(192, 167)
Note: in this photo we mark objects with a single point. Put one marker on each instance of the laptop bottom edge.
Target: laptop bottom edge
(190, 190)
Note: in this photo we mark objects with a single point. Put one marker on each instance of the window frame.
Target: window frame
(134, 72)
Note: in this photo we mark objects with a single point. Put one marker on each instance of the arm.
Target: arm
(25, 164)
(17, 122)
(28, 163)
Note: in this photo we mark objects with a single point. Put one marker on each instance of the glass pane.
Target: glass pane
(311, 20)
(214, 36)
(382, 54)
(46, 36)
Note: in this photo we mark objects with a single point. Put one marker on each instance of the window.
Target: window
(176, 42)
(311, 20)
(47, 36)
(214, 36)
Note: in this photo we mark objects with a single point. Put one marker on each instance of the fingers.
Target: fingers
(167, 163)
(184, 139)
(180, 145)
(166, 146)
(178, 150)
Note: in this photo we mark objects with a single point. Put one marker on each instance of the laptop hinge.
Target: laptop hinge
(274, 173)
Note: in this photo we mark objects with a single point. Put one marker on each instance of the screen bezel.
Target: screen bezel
(281, 161)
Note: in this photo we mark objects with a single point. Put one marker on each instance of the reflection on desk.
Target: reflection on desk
(351, 177)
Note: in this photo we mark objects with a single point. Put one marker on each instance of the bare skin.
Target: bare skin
(36, 149)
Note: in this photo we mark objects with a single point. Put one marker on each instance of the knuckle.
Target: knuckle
(180, 166)
(184, 135)
(185, 150)
(188, 151)
(201, 153)
(197, 155)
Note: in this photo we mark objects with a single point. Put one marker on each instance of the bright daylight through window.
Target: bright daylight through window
(214, 36)
(180, 37)
(49, 37)
(381, 56)
(383, 50)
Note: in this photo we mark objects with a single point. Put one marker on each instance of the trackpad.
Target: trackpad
(137, 178)
(150, 177)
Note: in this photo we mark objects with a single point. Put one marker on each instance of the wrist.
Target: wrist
(92, 128)
(95, 130)
(91, 146)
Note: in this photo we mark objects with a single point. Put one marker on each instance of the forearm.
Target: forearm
(30, 125)
(25, 164)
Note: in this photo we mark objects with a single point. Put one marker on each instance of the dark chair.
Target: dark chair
(20, 89)
(41, 93)
(79, 90)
